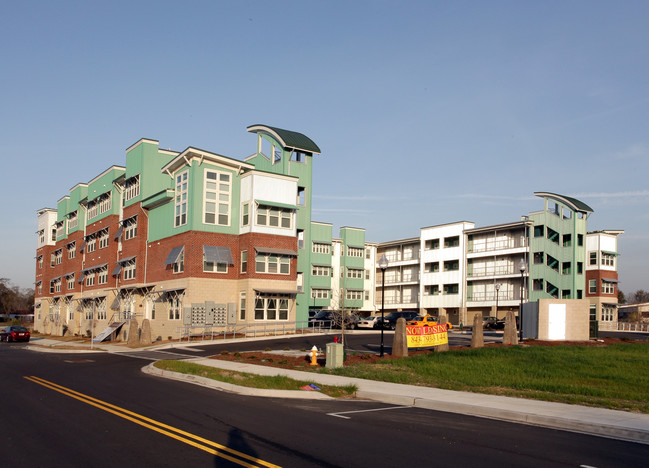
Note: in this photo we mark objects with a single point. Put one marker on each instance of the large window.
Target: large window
(102, 275)
(174, 306)
(321, 248)
(130, 228)
(355, 252)
(274, 217)
(354, 273)
(91, 243)
(319, 293)
(607, 287)
(452, 265)
(132, 187)
(103, 238)
(273, 264)
(71, 281)
(271, 307)
(320, 270)
(216, 198)
(431, 244)
(432, 267)
(129, 270)
(58, 256)
(353, 295)
(451, 289)
(215, 267)
(608, 259)
(451, 241)
(72, 250)
(73, 221)
(592, 286)
(181, 199)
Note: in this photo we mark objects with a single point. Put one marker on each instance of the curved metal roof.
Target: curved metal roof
(287, 138)
(571, 202)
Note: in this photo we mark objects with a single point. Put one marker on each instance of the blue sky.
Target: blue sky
(426, 112)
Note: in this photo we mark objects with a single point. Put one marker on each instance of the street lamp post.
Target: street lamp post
(383, 265)
(497, 286)
(522, 267)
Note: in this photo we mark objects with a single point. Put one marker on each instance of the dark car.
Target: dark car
(14, 333)
(324, 318)
(390, 321)
(493, 323)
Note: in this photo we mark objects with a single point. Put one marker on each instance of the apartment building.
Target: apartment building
(462, 270)
(180, 239)
(601, 275)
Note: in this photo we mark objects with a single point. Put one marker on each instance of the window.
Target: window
(130, 228)
(181, 199)
(245, 214)
(216, 205)
(179, 264)
(608, 288)
(300, 239)
(90, 279)
(275, 217)
(242, 305)
(271, 307)
(129, 270)
(71, 281)
(567, 240)
(53, 236)
(92, 209)
(174, 306)
(215, 267)
(301, 196)
(580, 240)
(59, 228)
(539, 258)
(432, 267)
(539, 231)
(552, 290)
(566, 268)
(57, 285)
(244, 261)
(321, 248)
(451, 241)
(105, 202)
(355, 252)
(73, 221)
(431, 290)
(451, 288)
(607, 313)
(608, 259)
(40, 262)
(552, 263)
(91, 244)
(132, 187)
(452, 265)
(103, 239)
(592, 286)
(580, 268)
(72, 250)
(537, 285)
(432, 244)
(553, 235)
(319, 293)
(353, 295)
(368, 253)
(354, 273)
(592, 258)
(320, 270)
(593, 312)
(58, 256)
(565, 294)
(367, 274)
(40, 288)
(277, 154)
(101, 308)
(272, 264)
(102, 276)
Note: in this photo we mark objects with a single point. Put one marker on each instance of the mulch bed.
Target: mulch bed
(274, 359)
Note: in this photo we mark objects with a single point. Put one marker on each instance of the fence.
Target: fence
(231, 332)
(624, 326)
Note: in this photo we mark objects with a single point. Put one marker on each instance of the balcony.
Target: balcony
(485, 270)
(494, 245)
(413, 278)
(491, 296)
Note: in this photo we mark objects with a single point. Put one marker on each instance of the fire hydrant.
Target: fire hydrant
(314, 356)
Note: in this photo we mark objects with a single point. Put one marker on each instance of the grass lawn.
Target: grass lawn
(244, 379)
(615, 376)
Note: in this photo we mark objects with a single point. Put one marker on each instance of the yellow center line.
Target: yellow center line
(161, 427)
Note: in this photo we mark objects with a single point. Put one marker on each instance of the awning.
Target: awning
(82, 275)
(119, 232)
(174, 255)
(83, 246)
(276, 204)
(126, 259)
(215, 254)
(271, 250)
(610, 280)
(276, 291)
(321, 265)
(356, 246)
(67, 275)
(93, 268)
(117, 269)
(610, 253)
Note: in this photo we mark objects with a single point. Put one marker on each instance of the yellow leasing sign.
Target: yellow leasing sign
(425, 337)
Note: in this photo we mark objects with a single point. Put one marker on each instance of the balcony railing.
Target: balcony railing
(491, 296)
(404, 279)
(394, 257)
(403, 300)
(491, 271)
(502, 244)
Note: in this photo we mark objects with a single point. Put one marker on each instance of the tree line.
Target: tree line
(13, 298)
(636, 297)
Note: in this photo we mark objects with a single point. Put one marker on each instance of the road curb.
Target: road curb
(231, 388)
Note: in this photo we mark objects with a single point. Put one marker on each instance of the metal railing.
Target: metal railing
(238, 331)
(491, 245)
(491, 271)
(624, 326)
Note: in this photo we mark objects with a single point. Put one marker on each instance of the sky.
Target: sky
(426, 112)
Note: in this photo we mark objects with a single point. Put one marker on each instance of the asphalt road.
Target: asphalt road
(101, 410)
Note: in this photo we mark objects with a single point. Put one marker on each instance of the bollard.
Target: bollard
(314, 356)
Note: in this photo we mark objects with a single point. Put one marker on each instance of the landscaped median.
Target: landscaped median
(608, 374)
(243, 379)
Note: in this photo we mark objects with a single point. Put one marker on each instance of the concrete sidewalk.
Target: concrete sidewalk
(596, 421)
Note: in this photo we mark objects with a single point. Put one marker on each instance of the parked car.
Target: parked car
(14, 333)
(390, 321)
(493, 323)
(368, 322)
(324, 318)
(426, 321)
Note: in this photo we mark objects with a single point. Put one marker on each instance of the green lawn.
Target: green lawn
(615, 376)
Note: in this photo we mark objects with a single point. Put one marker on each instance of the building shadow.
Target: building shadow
(236, 441)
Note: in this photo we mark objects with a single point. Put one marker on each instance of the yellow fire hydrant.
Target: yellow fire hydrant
(314, 356)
